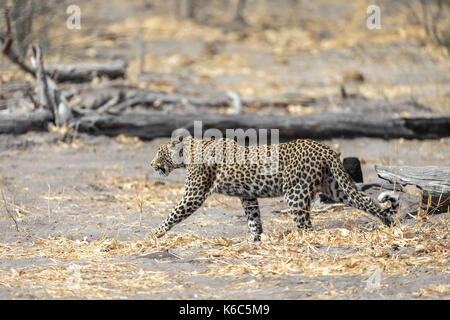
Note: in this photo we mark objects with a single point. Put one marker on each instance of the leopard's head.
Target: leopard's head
(169, 156)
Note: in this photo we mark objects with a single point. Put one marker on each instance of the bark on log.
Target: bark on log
(21, 123)
(433, 180)
(85, 72)
(148, 126)
(154, 125)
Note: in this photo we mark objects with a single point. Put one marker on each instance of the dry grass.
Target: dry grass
(85, 269)
(309, 254)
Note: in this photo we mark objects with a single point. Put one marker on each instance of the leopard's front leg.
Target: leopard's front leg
(195, 193)
(178, 214)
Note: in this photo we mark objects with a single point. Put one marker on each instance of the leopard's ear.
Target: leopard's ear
(176, 140)
(177, 148)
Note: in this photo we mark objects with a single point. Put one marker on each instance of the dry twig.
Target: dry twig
(5, 204)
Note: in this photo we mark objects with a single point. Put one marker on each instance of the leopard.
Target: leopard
(297, 170)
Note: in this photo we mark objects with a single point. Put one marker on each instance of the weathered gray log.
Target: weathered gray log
(149, 125)
(318, 126)
(85, 72)
(433, 180)
(21, 123)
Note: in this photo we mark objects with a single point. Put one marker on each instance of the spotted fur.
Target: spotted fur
(303, 169)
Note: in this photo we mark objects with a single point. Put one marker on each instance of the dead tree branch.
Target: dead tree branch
(5, 204)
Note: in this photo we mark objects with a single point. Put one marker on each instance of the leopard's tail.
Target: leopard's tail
(392, 198)
(359, 199)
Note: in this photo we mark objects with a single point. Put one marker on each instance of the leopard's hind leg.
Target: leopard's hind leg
(299, 200)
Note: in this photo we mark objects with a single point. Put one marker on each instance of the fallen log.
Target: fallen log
(433, 180)
(152, 125)
(317, 126)
(22, 123)
(85, 72)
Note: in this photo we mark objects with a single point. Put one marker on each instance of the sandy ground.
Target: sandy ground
(83, 233)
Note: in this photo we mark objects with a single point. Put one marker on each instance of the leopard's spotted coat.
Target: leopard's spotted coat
(304, 168)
